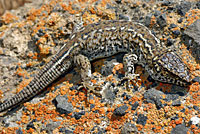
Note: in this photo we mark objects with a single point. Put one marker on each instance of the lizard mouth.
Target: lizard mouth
(173, 63)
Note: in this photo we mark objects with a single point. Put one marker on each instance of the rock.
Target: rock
(13, 124)
(154, 96)
(180, 20)
(121, 111)
(123, 17)
(51, 126)
(183, 8)
(196, 79)
(78, 115)
(176, 32)
(129, 128)
(166, 3)
(148, 19)
(135, 105)
(31, 125)
(162, 20)
(193, 30)
(118, 1)
(179, 129)
(176, 103)
(172, 26)
(191, 38)
(195, 120)
(141, 119)
(196, 108)
(107, 69)
(157, 13)
(170, 42)
(171, 97)
(198, 4)
(65, 131)
(19, 131)
(62, 105)
(92, 106)
(98, 130)
(108, 94)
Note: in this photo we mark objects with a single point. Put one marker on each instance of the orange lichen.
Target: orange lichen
(117, 67)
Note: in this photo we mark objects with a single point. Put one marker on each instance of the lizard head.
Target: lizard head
(172, 69)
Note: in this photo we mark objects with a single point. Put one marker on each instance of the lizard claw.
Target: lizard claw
(130, 78)
(89, 87)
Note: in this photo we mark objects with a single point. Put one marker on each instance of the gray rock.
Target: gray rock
(183, 8)
(171, 97)
(19, 131)
(13, 124)
(78, 115)
(31, 125)
(191, 38)
(179, 129)
(121, 111)
(141, 119)
(148, 19)
(129, 128)
(162, 20)
(196, 79)
(99, 130)
(108, 94)
(51, 126)
(198, 4)
(107, 69)
(176, 32)
(135, 105)
(176, 103)
(62, 105)
(65, 131)
(193, 31)
(154, 96)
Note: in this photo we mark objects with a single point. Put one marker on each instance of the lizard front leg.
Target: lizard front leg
(83, 63)
(129, 60)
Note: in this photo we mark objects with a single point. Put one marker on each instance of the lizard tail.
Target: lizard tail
(46, 76)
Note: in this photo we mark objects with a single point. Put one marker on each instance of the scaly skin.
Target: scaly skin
(102, 40)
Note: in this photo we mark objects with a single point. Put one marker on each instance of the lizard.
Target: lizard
(105, 39)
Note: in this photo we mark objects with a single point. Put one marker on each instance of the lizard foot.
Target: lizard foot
(130, 78)
(89, 87)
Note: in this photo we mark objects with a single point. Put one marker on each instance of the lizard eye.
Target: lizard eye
(173, 63)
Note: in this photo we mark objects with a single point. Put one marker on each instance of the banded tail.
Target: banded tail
(47, 75)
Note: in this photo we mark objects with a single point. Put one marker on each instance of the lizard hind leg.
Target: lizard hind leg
(83, 63)
(129, 61)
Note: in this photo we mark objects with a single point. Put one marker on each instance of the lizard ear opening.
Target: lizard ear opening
(173, 63)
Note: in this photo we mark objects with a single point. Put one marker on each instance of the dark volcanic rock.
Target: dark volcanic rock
(154, 96)
(179, 129)
(51, 126)
(62, 105)
(183, 8)
(121, 111)
(141, 119)
(135, 105)
(196, 79)
(191, 38)
(129, 128)
(162, 20)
